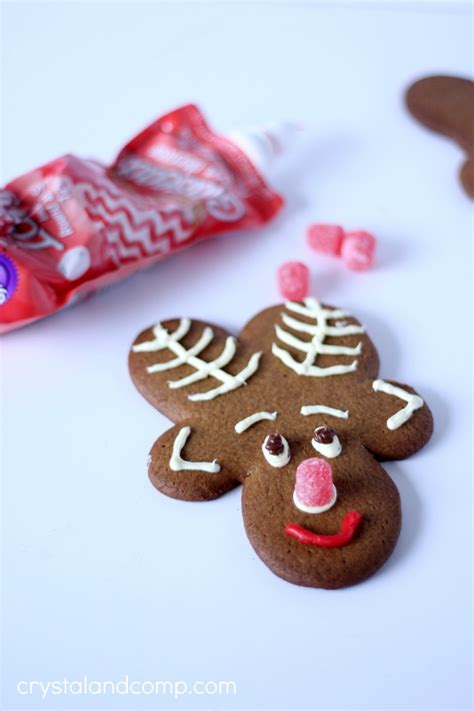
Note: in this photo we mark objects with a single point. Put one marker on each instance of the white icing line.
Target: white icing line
(330, 450)
(311, 306)
(319, 331)
(340, 350)
(203, 369)
(313, 370)
(414, 402)
(231, 381)
(315, 509)
(350, 330)
(162, 337)
(202, 343)
(177, 463)
(247, 422)
(325, 410)
(291, 340)
(296, 325)
(308, 346)
(277, 460)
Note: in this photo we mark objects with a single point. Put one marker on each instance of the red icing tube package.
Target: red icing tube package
(73, 226)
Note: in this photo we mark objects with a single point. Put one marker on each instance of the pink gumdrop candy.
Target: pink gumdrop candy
(358, 250)
(314, 485)
(293, 280)
(325, 238)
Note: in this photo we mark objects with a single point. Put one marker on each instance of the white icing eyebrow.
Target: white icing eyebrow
(413, 402)
(247, 422)
(324, 409)
(177, 463)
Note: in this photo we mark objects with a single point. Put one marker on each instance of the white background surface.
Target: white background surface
(106, 577)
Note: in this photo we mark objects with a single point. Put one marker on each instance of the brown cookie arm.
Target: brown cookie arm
(393, 421)
(185, 464)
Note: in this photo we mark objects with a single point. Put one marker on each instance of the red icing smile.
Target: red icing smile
(346, 533)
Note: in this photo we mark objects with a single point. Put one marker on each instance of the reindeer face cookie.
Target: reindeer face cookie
(294, 411)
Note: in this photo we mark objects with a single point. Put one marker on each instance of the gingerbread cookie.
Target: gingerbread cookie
(294, 411)
(446, 104)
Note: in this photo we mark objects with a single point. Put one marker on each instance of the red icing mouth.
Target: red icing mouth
(346, 533)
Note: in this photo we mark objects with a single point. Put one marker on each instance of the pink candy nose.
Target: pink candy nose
(314, 486)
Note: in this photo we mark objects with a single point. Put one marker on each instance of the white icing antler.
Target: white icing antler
(203, 369)
(414, 402)
(316, 346)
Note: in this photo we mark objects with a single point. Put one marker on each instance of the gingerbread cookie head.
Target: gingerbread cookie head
(446, 104)
(294, 412)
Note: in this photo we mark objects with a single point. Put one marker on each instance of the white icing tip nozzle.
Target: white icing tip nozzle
(264, 144)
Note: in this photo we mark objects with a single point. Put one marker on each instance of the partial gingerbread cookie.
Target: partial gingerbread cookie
(295, 412)
(446, 104)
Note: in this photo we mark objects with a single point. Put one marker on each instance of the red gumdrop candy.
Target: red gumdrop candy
(293, 280)
(314, 485)
(358, 250)
(325, 238)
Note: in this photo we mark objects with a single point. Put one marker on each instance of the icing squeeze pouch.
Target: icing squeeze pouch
(73, 226)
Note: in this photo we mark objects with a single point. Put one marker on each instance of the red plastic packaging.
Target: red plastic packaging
(74, 226)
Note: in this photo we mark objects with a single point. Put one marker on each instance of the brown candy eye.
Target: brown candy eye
(274, 444)
(324, 434)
